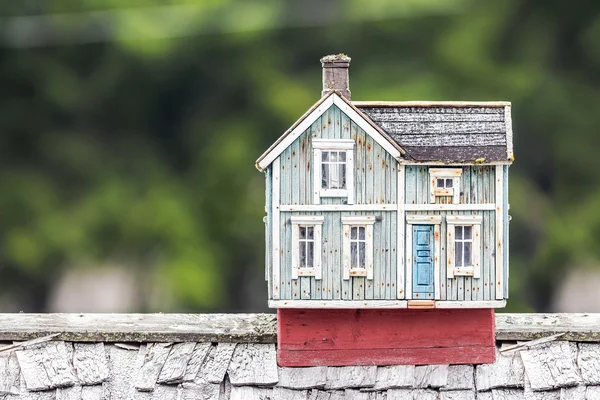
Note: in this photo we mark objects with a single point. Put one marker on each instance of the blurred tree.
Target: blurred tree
(129, 129)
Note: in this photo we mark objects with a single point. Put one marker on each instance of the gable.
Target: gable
(315, 112)
(446, 132)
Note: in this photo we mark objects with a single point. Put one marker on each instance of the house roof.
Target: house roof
(233, 356)
(446, 132)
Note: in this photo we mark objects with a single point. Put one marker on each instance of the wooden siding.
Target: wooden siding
(332, 286)
(374, 173)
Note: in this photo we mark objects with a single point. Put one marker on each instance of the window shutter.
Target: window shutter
(295, 251)
(317, 177)
(346, 251)
(450, 251)
(369, 251)
(477, 251)
(317, 256)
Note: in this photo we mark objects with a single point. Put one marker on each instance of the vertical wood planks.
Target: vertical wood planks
(275, 235)
(268, 226)
(336, 222)
(506, 225)
(437, 261)
(499, 233)
(400, 224)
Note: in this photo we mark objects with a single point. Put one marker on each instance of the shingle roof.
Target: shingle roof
(241, 364)
(449, 132)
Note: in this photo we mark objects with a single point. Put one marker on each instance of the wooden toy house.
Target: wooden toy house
(388, 205)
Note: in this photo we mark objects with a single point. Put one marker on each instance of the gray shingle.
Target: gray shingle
(507, 371)
(458, 395)
(351, 377)
(551, 366)
(280, 393)
(433, 376)
(47, 366)
(396, 376)
(588, 361)
(508, 394)
(460, 377)
(302, 378)
(90, 362)
(253, 364)
(154, 359)
(216, 363)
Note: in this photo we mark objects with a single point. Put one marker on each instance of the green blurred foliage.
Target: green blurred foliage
(129, 129)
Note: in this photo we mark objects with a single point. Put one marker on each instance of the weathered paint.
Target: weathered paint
(376, 180)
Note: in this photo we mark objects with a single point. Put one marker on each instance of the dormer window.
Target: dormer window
(333, 167)
(444, 185)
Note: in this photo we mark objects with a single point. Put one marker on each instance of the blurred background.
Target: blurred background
(129, 131)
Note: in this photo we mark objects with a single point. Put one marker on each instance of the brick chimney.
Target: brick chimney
(335, 74)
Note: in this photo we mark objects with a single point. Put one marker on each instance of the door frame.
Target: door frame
(436, 221)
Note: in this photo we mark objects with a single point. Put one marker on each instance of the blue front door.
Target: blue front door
(422, 268)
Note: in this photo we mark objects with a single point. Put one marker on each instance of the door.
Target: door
(422, 273)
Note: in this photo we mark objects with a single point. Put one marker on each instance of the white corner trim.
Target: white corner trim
(424, 219)
(334, 192)
(307, 219)
(499, 232)
(360, 121)
(275, 229)
(338, 304)
(400, 284)
(509, 133)
(358, 220)
(333, 144)
(463, 219)
(270, 155)
(346, 207)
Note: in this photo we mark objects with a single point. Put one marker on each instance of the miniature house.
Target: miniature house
(396, 205)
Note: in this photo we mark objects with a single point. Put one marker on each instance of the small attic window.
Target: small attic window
(333, 167)
(445, 184)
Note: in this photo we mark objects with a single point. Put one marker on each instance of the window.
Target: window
(333, 171)
(464, 245)
(306, 246)
(358, 246)
(445, 184)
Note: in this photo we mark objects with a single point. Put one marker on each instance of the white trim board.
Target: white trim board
(499, 232)
(338, 304)
(332, 304)
(450, 207)
(271, 154)
(400, 284)
(343, 207)
(509, 133)
(275, 231)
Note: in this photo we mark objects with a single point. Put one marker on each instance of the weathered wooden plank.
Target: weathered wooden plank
(431, 376)
(249, 393)
(91, 363)
(202, 390)
(575, 326)
(216, 363)
(460, 377)
(302, 378)
(47, 366)
(176, 363)
(508, 394)
(506, 371)
(396, 376)
(280, 393)
(351, 377)
(400, 226)
(9, 374)
(253, 364)
(123, 365)
(551, 366)
(276, 289)
(499, 282)
(450, 139)
(196, 360)
(588, 360)
(455, 154)
(458, 395)
(156, 355)
(95, 392)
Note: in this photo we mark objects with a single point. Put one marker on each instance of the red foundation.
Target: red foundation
(334, 337)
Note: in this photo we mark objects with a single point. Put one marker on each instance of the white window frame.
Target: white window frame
(316, 223)
(320, 145)
(358, 221)
(474, 221)
(444, 173)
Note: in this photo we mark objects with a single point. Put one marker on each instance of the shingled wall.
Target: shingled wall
(220, 356)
